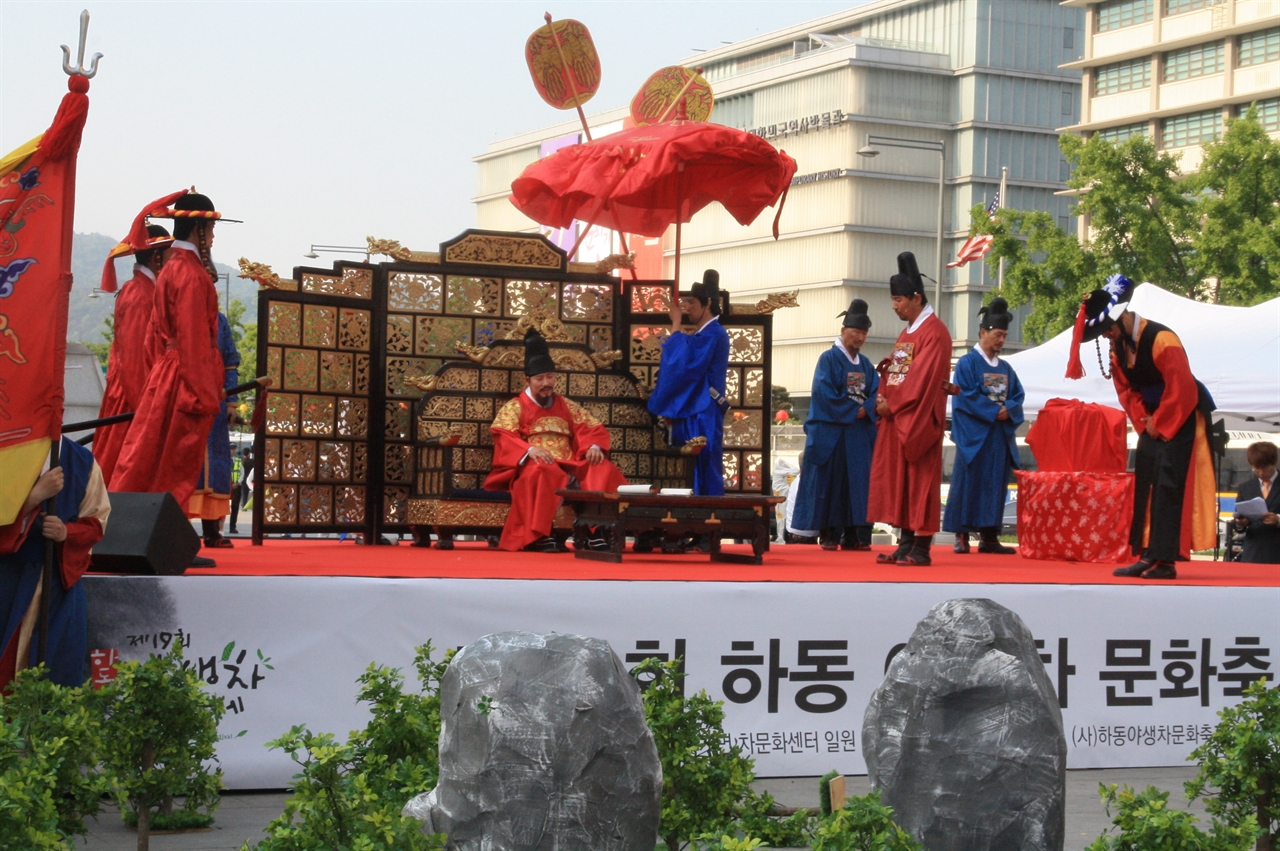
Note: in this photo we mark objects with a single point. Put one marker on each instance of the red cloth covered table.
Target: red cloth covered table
(1075, 516)
(1070, 436)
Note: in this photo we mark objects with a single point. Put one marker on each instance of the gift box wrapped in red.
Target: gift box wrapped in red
(1075, 516)
(1070, 436)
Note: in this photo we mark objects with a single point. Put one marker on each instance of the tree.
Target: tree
(780, 400)
(103, 349)
(1150, 223)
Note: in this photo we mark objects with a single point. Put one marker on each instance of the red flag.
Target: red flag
(974, 248)
(37, 205)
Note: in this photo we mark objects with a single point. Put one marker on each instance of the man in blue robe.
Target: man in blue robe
(689, 391)
(984, 421)
(211, 499)
(78, 522)
(840, 439)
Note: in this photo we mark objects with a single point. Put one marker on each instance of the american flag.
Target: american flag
(977, 246)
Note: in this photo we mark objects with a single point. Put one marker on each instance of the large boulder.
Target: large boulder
(543, 745)
(964, 736)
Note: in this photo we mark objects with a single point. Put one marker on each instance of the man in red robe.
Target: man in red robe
(165, 447)
(1174, 500)
(131, 354)
(906, 469)
(541, 443)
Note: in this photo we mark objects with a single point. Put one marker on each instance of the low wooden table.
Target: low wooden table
(614, 516)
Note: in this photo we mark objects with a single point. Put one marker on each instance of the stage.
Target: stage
(794, 647)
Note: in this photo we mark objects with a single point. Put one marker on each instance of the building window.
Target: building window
(1259, 47)
(1069, 38)
(1176, 7)
(1193, 61)
(1116, 135)
(1123, 76)
(1115, 14)
(1183, 130)
(1268, 113)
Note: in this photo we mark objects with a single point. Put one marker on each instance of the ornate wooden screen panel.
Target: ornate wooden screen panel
(314, 451)
(747, 383)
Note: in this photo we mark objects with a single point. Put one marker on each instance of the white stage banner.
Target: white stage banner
(1140, 671)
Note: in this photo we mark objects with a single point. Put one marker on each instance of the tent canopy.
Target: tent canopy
(1234, 351)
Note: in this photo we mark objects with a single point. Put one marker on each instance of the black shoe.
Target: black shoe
(1135, 570)
(598, 544)
(829, 544)
(962, 544)
(201, 561)
(995, 548)
(919, 555)
(546, 544)
(904, 547)
(1162, 570)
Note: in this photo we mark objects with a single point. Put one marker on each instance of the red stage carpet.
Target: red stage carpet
(783, 563)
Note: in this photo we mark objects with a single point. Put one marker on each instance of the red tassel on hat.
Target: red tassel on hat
(109, 282)
(1075, 369)
(138, 236)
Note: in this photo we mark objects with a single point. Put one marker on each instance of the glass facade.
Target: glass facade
(1174, 7)
(1115, 14)
(1116, 135)
(1192, 129)
(1123, 76)
(1193, 61)
(1259, 47)
(1268, 113)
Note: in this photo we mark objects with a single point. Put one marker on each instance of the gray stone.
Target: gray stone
(543, 746)
(964, 736)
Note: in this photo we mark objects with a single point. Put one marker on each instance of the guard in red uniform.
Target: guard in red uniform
(165, 447)
(542, 442)
(906, 469)
(131, 354)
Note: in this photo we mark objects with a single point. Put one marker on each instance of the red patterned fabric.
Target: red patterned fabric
(1070, 436)
(1075, 516)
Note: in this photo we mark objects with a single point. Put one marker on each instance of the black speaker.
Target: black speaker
(147, 533)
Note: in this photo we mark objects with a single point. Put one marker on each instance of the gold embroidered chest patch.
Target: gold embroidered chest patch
(900, 362)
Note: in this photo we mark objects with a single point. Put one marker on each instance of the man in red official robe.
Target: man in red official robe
(131, 352)
(165, 447)
(906, 469)
(541, 441)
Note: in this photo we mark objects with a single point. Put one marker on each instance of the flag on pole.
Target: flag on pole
(977, 246)
(37, 204)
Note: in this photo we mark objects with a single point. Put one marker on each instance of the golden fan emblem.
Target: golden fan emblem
(657, 99)
(564, 63)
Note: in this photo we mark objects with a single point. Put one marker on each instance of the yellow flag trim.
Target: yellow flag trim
(22, 465)
(19, 154)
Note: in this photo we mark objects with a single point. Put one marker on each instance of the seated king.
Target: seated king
(542, 442)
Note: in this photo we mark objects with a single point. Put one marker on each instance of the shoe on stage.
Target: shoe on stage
(1162, 570)
(995, 548)
(546, 544)
(962, 544)
(1134, 570)
(219, 543)
(919, 555)
(905, 542)
(201, 561)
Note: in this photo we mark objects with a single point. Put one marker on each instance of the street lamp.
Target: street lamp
(317, 250)
(226, 276)
(870, 150)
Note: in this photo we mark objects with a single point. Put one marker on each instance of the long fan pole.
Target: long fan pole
(666, 113)
(675, 284)
(568, 77)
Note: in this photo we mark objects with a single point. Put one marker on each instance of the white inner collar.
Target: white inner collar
(924, 314)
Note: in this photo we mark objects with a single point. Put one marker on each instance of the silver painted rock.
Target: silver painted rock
(964, 736)
(543, 745)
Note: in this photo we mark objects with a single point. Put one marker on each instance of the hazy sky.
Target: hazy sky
(324, 122)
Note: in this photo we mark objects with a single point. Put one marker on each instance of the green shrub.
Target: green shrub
(28, 813)
(704, 779)
(862, 824)
(1147, 823)
(159, 731)
(70, 718)
(349, 796)
(759, 820)
(1240, 764)
(824, 791)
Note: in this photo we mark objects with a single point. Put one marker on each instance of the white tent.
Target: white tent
(1234, 351)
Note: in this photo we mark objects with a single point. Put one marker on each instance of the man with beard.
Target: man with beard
(906, 470)
(985, 416)
(542, 442)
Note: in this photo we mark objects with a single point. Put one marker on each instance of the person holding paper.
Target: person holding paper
(542, 442)
(1261, 533)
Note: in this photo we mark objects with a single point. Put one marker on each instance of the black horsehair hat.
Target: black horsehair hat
(537, 356)
(1098, 312)
(707, 290)
(908, 282)
(856, 316)
(995, 315)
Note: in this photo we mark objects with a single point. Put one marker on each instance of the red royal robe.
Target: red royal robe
(906, 469)
(165, 446)
(128, 366)
(567, 432)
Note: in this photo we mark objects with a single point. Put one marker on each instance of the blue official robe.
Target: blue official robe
(691, 366)
(836, 471)
(215, 477)
(986, 450)
(20, 575)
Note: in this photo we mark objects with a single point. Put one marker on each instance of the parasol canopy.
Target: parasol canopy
(644, 179)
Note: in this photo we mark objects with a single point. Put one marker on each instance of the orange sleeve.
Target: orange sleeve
(1180, 392)
(1130, 399)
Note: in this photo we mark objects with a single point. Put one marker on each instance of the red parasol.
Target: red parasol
(644, 179)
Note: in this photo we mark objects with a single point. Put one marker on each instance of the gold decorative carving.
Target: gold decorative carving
(616, 385)
(630, 415)
(477, 296)
(399, 333)
(494, 381)
(282, 413)
(732, 386)
(391, 248)
(476, 354)
(746, 344)
(693, 445)
(639, 440)
(357, 283)
(766, 305)
(317, 416)
(394, 503)
(284, 323)
(744, 429)
(532, 297)
(274, 358)
(587, 302)
(415, 292)
(362, 375)
(582, 385)
(333, 463)
(753, 469)
(353, 329)
(601, 338)
(271, 460)
(399, 463)
(281, 504)
(319, 326)
(397, 420)
(754, 392)
(602, 360)
(572, 359)
(299, 460)
(457, 378)
(480, 408)
(425, 383)
(650, 298)
(444, 407)
(508, 357)
(262, 273)
(441, 335)
(731, 479)
(349, 505)
(299, 369)
(315, 504)
(477, 460)
(353, 418)
(398, 368)
(335, 372)
(646, 342)
(503, 251)
(607, 265)
(544, 323)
